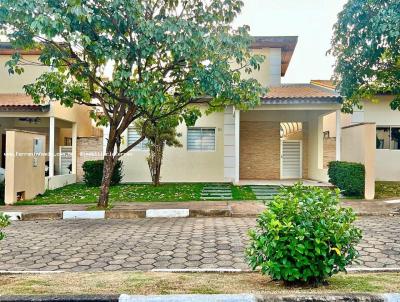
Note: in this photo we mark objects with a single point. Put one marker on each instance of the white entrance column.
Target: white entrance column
(74, 140)
(338, 134)
(237, 145)
(51, 145)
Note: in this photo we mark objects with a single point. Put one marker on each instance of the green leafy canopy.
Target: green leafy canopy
(135, 59)
(366, 45)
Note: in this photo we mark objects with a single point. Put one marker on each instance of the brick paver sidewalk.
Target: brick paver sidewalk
(146, 244)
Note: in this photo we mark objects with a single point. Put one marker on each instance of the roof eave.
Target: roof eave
(25, 108)
(287, 44)
(300, 101)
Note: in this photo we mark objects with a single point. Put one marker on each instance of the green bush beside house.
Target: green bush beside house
(93, 173)
(303, 236)
(348, 177)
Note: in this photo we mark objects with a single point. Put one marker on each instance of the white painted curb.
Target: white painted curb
(14, 215)
(199, 270)
(393, 201)
(167, 213)
(189, 298)
(84, 214)
(391, 297)
(3, 272)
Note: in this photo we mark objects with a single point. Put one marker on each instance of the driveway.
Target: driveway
(146, 244)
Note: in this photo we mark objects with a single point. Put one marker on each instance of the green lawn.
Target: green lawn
(387, 189)
(80, 193)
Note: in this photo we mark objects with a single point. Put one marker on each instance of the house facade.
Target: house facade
(387, 126)
(47, 128)
(281, 139)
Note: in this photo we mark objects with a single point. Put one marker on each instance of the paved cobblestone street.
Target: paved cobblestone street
(145, 244)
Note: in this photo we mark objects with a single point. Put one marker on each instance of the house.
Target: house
(387, 126)
(280, 140)
(49, 130)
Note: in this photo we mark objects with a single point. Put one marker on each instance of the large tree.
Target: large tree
(366, 44)
(134, 59)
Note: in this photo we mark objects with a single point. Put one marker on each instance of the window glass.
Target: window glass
(395, 138)
(133, 136)
(382, 137)
(201, 139)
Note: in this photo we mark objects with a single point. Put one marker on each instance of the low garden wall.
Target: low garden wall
(359, 146)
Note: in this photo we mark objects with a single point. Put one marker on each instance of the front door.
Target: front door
(291, 159)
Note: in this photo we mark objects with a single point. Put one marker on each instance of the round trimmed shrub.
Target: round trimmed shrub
(93, 173)
(303, 236)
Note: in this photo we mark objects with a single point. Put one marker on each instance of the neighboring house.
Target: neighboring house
(387, 123)
(280, 139)
(59, 128)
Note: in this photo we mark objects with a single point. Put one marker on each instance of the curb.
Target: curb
(209, 298)
(135, 214)
(120, 214)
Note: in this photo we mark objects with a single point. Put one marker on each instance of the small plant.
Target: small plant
(93, 173)
(4, 222)
(303, 236)
(348, 177)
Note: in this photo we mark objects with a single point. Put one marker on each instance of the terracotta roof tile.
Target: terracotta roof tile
(19, 102)
(286, 91)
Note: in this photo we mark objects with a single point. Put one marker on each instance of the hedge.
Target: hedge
(93, 173)
(348, 177)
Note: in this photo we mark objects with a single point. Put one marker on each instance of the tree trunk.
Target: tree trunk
(155, 161)
(159, 162)
(108, 168)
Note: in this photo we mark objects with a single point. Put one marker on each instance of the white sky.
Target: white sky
(310, 20)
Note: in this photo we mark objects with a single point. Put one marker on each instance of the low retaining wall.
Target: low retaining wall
(59, 181)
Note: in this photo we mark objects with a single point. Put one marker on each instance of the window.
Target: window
(201, 139)
(133, 136)
(382, 137)
(388, 138)
(395, 138)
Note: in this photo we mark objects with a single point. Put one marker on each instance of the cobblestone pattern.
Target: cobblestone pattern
(145, 244)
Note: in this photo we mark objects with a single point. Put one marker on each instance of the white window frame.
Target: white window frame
(201, 128)
(142, 146)
(390, 137)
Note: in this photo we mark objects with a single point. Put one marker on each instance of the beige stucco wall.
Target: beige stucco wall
(330, 122)
(179, 164)
(14, 83)
(10, 84)
(21, 175)
(359, 145)
(316, 169)
(387, 163)
(270, 70)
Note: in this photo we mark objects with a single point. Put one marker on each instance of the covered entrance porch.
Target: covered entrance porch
(32, 141)
(282, 141)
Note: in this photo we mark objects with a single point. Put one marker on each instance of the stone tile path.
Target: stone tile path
(145, 244)
(216, 192)
(265, 193)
